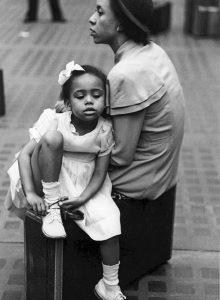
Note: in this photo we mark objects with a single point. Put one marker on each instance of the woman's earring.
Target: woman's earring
(118, 28)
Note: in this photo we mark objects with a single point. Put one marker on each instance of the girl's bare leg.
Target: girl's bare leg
(109, 250)
(46, 159)
(46, 163)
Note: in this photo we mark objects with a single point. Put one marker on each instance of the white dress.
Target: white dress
(101, 214)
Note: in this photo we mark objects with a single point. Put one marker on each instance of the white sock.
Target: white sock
(110, 274)
(51, 192)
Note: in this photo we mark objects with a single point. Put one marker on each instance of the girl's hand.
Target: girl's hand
(70, 207)
(37, 203)
(71, 203)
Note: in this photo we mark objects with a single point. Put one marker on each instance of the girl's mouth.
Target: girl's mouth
(89, 109)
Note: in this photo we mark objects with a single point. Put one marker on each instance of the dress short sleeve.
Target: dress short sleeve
(133, 87)
(106, 137)
(47, 121)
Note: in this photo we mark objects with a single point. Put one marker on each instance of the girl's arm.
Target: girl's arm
(24, 163)
(94, 185)
(127, 130)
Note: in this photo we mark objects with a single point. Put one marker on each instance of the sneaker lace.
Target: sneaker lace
(54, 214)
(120, 296)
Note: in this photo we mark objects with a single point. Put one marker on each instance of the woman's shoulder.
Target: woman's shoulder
(122, 69)
(135, 83)
(142, 62)
(133, 72)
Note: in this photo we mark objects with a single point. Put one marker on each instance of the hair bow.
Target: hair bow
(65, 74)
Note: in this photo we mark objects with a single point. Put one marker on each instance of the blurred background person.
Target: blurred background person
(32, 11)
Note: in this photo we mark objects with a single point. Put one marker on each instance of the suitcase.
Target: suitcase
(57, 269)
(202, 17)
(200, 21)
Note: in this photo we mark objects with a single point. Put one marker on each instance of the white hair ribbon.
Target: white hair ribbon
(65, 74)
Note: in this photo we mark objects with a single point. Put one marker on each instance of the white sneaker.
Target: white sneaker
(52, 226)
(102, 292)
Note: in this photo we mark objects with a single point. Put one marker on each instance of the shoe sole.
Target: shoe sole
(97, 295)
(53, 237)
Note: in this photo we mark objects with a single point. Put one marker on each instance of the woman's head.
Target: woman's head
(114, 18)
(134, 17)
(84, 91)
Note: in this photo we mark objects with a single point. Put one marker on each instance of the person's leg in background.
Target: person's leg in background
(31, 14)
(56, 11)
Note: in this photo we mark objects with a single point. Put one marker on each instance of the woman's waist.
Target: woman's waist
(144, 178)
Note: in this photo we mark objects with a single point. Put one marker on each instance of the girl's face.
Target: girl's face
(103, 23)
(87, 97)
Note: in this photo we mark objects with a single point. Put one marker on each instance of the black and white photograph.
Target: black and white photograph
(110, 149)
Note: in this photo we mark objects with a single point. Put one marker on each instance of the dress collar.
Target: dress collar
(129, 48)
(73, 129)
(125, 49)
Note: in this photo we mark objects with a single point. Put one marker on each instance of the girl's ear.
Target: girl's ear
(67, 103)
(68, 106)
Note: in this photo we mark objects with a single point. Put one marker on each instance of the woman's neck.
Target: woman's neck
(83, 127)
(118, 41)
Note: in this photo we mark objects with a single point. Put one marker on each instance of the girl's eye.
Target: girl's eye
(79, 95)
(97, 94)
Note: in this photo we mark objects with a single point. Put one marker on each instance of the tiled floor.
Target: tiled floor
(31, 57)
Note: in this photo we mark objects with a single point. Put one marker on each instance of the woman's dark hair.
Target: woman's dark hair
(131, 30)
(88, 69)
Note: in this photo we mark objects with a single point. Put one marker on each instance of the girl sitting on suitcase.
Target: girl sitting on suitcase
(68, 155)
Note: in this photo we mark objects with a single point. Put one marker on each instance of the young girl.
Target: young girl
(68, 155)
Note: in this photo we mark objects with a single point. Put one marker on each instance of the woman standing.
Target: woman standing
(146, 101)
(32, 11)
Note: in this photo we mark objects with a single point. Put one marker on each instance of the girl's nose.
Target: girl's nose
(89, 99)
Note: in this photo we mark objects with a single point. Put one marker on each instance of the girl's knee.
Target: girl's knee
(53, 139)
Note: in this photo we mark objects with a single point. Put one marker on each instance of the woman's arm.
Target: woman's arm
(94, 185)
(127, 130)
(24, 163)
